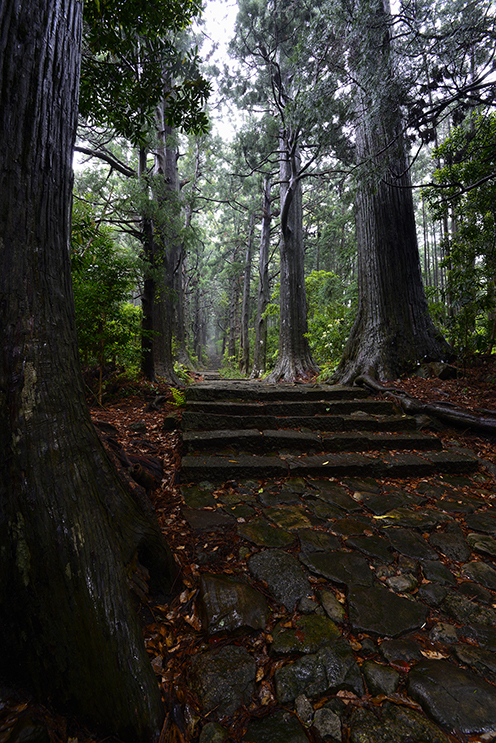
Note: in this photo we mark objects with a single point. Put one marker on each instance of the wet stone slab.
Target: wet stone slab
(475, 592)
(308, 635)
(393, 724)
(482, 543)
(332, 607)
(484, 635)
(263, 534)
(223, 679)
(324, 511)
(452, 545)
(340, 567)
(227, 604)
(480, 572)
(276, 727)
(283, 574)
(276, 498)
(288, 517)
(400, 649)
(409, 543)
(485, 522)
(380, 679)
(456, 698)
(350, 526)
(409, 518)
(330, 670)
(374, 547)
(436, 571)
(432, 594)
(482, 661)
(336, 495)
(312, 540)
(382, 612)
(205, 520)
(463, 610)
(381, 504)
(196, 496)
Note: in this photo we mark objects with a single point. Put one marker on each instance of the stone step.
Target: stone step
(292, 407)
(350, 464)
(276, 440)
(245, 390)
(358, 421)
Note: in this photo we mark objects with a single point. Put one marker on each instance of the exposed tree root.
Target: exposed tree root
(446, 413)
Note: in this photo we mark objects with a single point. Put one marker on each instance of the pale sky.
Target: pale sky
(219, 17)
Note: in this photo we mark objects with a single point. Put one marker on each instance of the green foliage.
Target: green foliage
(331, 309)
(108, 325)
(466, 195)
(230, 367)
(179, 397)
(130, 48)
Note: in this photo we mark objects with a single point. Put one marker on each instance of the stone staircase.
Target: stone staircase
(234, 429)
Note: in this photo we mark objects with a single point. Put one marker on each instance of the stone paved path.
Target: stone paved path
(375, 594)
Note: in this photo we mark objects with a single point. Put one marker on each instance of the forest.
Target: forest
(346, 224)
(344, 228)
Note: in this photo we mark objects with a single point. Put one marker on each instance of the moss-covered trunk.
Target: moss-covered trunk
(67, 527)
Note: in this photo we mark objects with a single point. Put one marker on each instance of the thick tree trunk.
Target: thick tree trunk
(233, 315)
(244, 350)
(295, 359)
(260, 349)
(167, 229)
(392, 330)
(67, 527)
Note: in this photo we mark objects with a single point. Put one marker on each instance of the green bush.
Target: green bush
(103, 278)
(331, 310)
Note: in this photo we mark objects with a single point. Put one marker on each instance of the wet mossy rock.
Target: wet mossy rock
(227, 604)
(454, 697)
(393, 724)
(308, 635)
(223, 679)
(276, 727)
(283, 575)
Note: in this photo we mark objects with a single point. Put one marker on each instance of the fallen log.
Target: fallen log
(446, 413)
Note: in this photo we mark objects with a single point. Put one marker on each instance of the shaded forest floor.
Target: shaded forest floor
(172, 632)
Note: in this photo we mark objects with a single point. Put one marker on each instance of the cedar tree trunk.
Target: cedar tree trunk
(295, 359)
(169, 243)
(392, 331)
(260, 350)
(68, 529)
(244, 341)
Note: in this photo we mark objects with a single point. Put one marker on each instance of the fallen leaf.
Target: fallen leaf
(434, 654)
(265, 693)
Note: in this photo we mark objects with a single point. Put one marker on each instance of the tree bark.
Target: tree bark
(260, 349)
(244, 341)
(234, 290)
(392, 330)
(68, 529)
(295, 359)
(169, 248)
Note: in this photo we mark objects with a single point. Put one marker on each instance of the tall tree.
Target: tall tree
(263, 297)
(392, 330)
(68, 528)
(289, 80)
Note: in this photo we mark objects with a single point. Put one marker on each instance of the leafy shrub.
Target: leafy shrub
(103, 277)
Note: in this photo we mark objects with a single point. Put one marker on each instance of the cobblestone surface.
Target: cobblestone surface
(385, 593)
